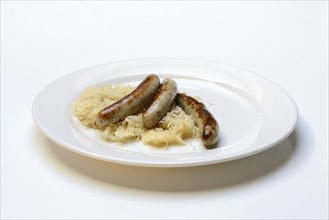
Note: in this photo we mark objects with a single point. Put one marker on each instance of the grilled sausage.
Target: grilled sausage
(130, 104)
(161, 103)
(204, 119)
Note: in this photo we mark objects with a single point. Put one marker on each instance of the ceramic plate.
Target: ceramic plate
(253, 113)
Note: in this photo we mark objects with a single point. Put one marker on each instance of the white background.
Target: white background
(286, 42)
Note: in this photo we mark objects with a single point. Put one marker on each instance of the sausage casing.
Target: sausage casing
(130, 104)
(161, 103)
(204, 120)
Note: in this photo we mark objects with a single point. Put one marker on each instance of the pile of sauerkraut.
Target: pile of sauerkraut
(173, 129)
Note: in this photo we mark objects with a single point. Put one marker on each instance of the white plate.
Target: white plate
(253, 113)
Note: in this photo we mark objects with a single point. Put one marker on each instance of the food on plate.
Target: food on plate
(152, 112)
(161, 103)
(171, 130)
(94, 99)
(204, 120)
(130, 104)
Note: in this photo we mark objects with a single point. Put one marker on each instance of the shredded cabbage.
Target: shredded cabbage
(171, 130)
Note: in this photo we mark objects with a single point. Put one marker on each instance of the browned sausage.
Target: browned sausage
(204, 120)
(130, 104)
(161, 103)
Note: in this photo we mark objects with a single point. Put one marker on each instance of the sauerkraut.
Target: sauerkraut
(173, 129)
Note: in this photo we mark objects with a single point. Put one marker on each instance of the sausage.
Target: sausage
(204, 120)
(161, 103)
(130, 104)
